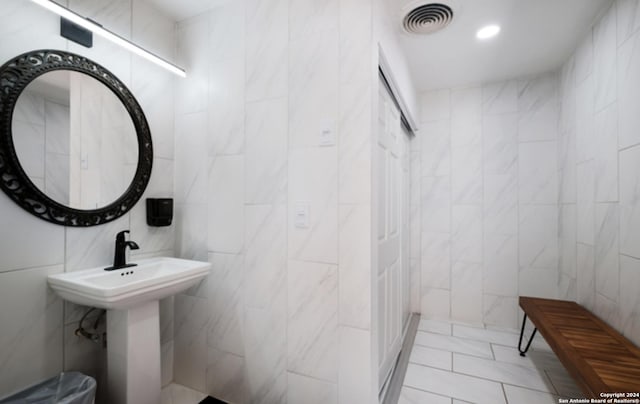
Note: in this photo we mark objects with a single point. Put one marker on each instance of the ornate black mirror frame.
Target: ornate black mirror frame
(15, 75)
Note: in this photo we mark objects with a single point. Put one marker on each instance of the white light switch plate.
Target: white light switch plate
(301, 215)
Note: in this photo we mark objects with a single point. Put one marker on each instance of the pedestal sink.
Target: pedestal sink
(131, 296)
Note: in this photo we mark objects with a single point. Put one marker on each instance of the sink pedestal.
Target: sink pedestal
(133, 354)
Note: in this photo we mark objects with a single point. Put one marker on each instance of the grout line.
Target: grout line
(506, 400)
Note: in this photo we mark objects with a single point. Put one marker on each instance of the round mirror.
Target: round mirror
(75, 147)
(74, 139)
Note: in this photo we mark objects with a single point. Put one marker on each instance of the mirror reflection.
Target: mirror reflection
(75, 139)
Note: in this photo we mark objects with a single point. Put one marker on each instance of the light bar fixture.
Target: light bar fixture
(99, 30)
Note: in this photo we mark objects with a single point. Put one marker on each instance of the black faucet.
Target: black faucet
(119, 258)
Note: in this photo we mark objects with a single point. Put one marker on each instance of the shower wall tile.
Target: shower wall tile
(629, 211)
(32, 330)
(538, 172)
(584, 58)
(607, 310)
(500, 135)
(538, 107)
(313, 89)
(500, 97)
(266, 352)
(307, 390)
(436, 303)
(629, 303)
(585, 205)
(628, 99)
(585, 136)
(226, 108)
(466, 236)
(466, 117)
(191, 231)
(500, 311)
(265, 266)
(568, 96)
(466, 175)
(538, 281)
(226, 303)
(225, 204)
(308, 17)
(267, 39)
(354, 364)
(586, 276)
(354, 270)
(266, 151)
(435, 105)
(604, 57)
(500, 259)
(191, 92)
(354, 147)
(312, 324)
(436, 260)
(190, 158)
(190, 347)
(436, 204)
(567, 239)
(628, 20)
(36, 244)
(436, 148)
(606, 155)
(226, 376)
(226, 32)
(606, 249)
(501, 204)
(567, 167)
(355, 19)
(466, 292)
(538, 236)
(313, 181)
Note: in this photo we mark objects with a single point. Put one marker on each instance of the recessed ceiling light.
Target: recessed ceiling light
(488, 32)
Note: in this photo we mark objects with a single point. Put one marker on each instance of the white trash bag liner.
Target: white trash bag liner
(66, 388)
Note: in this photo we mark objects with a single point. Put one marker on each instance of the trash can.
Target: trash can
(66, 388)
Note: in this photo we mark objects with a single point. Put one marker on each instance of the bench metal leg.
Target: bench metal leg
(524, 321)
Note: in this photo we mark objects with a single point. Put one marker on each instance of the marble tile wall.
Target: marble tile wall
(485, 205)
(598, 163)
(278, 113)
(284, 307)
(37, 336)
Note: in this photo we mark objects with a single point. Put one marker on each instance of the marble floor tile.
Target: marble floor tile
(519, 395)
(502, 372)
(535, 359)
(435, 358)
(179, 394)
(454, 385)
(413, 396)
(563, 383)
(480, 364)
(435, 326)
(480, 334)
(454, 344)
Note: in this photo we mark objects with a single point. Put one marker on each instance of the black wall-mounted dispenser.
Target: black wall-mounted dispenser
(159, 211)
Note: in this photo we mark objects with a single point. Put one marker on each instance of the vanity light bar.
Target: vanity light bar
(99, 30)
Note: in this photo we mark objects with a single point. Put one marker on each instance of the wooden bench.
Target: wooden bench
(598, 357)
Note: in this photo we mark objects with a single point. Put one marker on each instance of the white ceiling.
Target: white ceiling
(536, 36)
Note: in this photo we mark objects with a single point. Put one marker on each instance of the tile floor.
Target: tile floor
(453, 363)
(179, 394)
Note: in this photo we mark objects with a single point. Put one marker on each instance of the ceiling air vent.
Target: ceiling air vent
(428, 18)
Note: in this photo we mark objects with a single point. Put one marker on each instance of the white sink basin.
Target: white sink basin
(121, 289)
